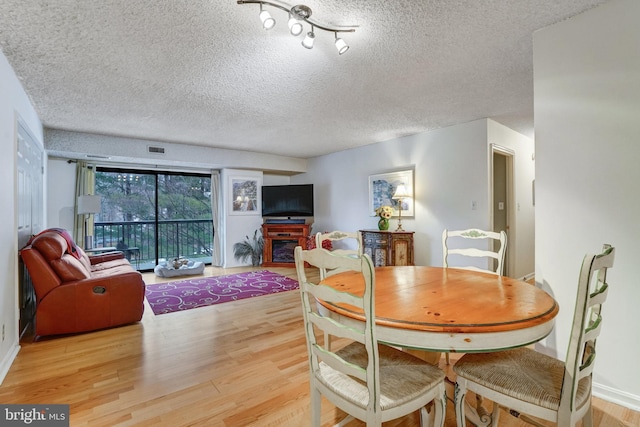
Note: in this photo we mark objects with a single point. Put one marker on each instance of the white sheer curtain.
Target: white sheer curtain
(217, 258)
(85, 184)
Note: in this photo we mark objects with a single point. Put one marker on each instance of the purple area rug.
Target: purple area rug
(202, 291)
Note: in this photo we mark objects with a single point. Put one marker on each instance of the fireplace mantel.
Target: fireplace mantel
(279, 242)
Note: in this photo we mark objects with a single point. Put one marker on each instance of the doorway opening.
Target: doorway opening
(502, 209)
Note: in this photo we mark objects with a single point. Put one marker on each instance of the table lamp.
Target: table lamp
(88, 205)
(400, 194)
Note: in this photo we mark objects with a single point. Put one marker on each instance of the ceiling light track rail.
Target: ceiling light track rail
(298, 14)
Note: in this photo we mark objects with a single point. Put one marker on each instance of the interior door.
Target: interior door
(30, 183)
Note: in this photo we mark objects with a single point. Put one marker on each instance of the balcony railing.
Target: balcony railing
(189, 238)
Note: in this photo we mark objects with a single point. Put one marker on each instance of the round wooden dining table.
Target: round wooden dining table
(449, 309)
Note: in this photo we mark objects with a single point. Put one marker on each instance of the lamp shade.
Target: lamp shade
(89, 204)
(401, 192)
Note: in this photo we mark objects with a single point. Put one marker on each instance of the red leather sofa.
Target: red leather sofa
(76, 292)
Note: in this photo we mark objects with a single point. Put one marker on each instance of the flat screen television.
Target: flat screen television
(287, 200)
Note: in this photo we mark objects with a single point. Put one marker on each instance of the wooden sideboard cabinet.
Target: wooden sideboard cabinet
(280, 240)
(388, 247)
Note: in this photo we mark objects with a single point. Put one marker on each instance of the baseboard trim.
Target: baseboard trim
(7, 361)
(616, 396)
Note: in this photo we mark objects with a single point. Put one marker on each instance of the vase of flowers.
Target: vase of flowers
(384, 212)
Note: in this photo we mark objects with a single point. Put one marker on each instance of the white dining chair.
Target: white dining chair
(525, 381)
(368, 380)
(494, 257)
(462, 251)
(342, 243)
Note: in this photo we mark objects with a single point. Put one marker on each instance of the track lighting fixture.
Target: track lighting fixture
(297, 15)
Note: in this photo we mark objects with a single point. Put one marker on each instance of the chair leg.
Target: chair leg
(495, 414)
(446, 357)
(440, 408)
(458, 400)
(587, 420)
(425, 417)
(315, 406)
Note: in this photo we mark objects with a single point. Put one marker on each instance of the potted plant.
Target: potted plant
(251, 248)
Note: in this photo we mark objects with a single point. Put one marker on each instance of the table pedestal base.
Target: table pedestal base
(477, 414)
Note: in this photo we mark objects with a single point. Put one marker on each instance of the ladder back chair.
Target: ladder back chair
(369, 381)
(348, 239)
(528, 382)
(471, 236)
(345, 241)
(474, 234)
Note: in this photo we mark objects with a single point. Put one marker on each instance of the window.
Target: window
(154, 216)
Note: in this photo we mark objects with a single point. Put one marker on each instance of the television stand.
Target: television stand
(280, 240)
(284, 221)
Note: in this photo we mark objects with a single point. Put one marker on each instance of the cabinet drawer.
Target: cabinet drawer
(374, 239)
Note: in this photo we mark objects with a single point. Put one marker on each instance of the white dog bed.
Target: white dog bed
(163, 270)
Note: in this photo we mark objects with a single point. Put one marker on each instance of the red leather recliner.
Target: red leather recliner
(79, 293)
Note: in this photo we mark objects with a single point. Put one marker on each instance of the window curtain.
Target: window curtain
(85, 184)
(217, 254)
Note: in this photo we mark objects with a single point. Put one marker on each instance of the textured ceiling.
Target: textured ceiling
(206, 73)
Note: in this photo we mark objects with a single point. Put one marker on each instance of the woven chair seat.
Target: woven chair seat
(403, 377)
(523, 374)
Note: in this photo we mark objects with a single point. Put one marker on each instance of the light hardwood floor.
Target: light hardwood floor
(241, 363)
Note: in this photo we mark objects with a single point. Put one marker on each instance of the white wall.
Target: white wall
(237, 227)
(14, 103)
(451, 171)
(61, 194)
(587, 110)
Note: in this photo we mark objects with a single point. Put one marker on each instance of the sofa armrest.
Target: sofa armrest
(107, 256)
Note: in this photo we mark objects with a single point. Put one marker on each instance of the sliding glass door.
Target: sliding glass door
(154, 216)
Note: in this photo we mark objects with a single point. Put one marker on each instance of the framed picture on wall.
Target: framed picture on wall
(245, 195)
(383, 186)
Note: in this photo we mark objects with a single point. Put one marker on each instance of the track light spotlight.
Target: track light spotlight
(297, 15)
(341, 45)
(267, 21)
(295, 27)
(308, 39)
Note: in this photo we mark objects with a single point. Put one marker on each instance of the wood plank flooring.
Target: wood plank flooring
(241, 363)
